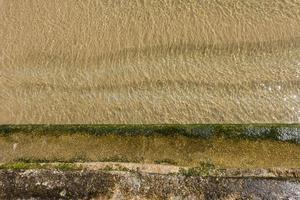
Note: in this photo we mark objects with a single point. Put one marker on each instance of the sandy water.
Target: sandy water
(161, 61)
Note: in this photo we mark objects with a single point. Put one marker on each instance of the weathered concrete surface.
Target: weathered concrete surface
(53, 184)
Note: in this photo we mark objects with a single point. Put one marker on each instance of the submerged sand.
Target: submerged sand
(149, 61)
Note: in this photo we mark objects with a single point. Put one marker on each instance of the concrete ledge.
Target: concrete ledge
(88, 184)
(149, 162)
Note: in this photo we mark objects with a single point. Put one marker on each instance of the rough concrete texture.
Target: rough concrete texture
(53, 184)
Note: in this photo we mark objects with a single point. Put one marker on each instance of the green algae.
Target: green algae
(204, 169)
(37, 165)
(280, 132)
(230, 145)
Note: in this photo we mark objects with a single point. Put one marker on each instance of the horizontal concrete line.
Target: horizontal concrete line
(164, 169)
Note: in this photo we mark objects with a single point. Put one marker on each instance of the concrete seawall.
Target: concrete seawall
(53, 184)
(209, 161)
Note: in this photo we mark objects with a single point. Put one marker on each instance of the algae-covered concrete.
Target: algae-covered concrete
(227, 146)
(150, 161)
(53, 184)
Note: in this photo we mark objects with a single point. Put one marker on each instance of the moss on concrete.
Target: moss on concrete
(204, 169)
(37, 165)
(284, 132)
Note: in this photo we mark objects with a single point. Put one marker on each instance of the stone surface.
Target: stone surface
(53, 184)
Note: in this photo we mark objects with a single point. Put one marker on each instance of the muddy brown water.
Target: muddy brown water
(138, 61)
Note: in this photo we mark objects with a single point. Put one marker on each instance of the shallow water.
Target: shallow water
(156, 61)
(176, 149)
(224, 146)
